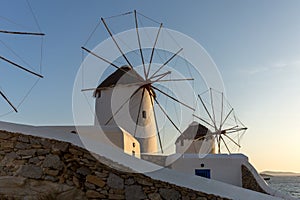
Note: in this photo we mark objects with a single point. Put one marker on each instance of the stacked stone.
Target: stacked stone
(34, 167)
(249, 182)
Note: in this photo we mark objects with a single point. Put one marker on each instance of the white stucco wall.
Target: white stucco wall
(223, 167)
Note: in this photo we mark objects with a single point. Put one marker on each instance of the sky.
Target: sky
(255, 44)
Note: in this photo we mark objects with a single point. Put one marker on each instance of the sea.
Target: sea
(286, 184)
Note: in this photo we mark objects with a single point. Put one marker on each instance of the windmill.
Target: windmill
(143, 86)
(217, 114)
(11, 62)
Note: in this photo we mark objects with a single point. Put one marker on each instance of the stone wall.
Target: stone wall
(39, 168)
(249, 182)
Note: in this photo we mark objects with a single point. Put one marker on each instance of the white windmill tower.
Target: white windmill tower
(140, 107)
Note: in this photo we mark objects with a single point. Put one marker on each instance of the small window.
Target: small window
(181, 142)
(133, 144)
(133, 153)
(203, 173)
(144, 114)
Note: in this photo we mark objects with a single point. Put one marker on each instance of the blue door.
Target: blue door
(203, 172)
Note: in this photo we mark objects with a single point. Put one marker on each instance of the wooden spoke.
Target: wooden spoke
(170, 80)
(203, 120)
(21, 33)
(161, 76)
(226, 117)
(113, 38)
(171, 58)
(7, 100)
(225, 144)
(139, 41)
(232, 140)
(173, 98)
(165, 113)
(222, 104)
(107, 61)
(20, 67)
(101, 58)
(212, 108)
(207, 112)
(118, 110)
(232, 128)
(152, 52)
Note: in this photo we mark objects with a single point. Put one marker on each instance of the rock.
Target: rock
(36, 146)
(11, 156)
(170, 194)
(34, 141)
(70, 183)
(26, 157)
(75, 152)
(144, 182)
(11, 181)
(133, 192)
(7, 145)
(21, 145)
(46, 143)
(129, 181)
(4, 136)
(23, 138)
(116, 196)
(73, 194)
(26, 152)
(95, 180)
(76, 181)
(41, 152)
(201, 198)
(30, 171)
(51, 178)
(53, 161)
(154, 196)
(51, 172)
(83, 171)
(94, 194)
(115, 181)
(101, 175)
(63, 147)
(34, 160)
(89, 186)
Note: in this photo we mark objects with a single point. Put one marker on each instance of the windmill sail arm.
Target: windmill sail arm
(20, 67)
(232, 140)
(171, 58)
(118, 110)
(152, 51)
(173, 80)
(203, 120)
(203, 104)
(117, 45)
(8, 101)
(139, 41)
(225, 144)
(21, 33)
(168, 117)
(173, 98)
(160, 76)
